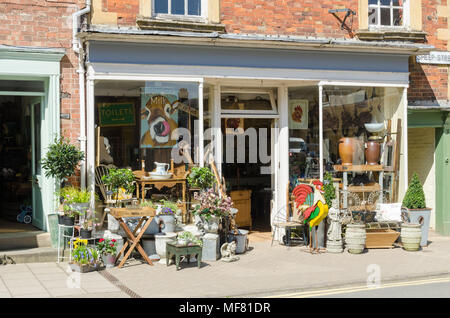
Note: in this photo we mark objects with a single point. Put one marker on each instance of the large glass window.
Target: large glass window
(303, 106)
(140, 123)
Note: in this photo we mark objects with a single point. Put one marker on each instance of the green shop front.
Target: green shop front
(29, 120)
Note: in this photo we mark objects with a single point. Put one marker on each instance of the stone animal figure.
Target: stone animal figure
(158, 112)
(228, 252)
(311, 203)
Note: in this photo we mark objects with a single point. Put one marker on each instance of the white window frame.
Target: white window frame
(378, 6)
(237, 113)
(182, 17)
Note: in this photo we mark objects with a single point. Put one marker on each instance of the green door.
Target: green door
(36, 149)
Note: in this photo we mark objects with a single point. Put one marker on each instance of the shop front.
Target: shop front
(29, 120)
(270, 114)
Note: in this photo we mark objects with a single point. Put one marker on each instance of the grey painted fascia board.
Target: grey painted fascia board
(279, 42)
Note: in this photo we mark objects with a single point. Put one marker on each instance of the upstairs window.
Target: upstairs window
(387, 13)
(178, 8)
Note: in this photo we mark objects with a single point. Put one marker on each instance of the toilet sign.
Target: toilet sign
(116, 114)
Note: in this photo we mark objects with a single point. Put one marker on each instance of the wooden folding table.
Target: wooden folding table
(146, 216)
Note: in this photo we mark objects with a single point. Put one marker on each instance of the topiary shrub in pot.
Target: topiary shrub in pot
(414, 208)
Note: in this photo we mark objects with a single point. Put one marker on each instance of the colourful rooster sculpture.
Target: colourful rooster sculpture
(311, 203)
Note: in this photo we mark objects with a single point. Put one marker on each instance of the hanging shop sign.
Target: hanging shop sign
(434, 58)
(116, 114)
(298, 114)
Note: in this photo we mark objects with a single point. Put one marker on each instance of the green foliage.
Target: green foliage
(107, 246)
(119, 178)
(190, 238)
(69, 211)
(72, 195)
(61, 159)
(201, 178)
(414, 197)
(329, 190)
(147, 204)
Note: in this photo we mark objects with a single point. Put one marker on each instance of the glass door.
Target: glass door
(36, 172)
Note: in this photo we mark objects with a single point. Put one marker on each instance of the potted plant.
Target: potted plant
(201, 178)
(118, 179)
(416, 210)
(85, 258)
(211, 209)
(61, 159)
(78, 199)
(165, 213)
(69, 216)
(187, 238)
(60, 162)
(108, 250)
(87, 224)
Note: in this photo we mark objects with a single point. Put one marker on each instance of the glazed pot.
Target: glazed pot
(372, 152)
(346, 150)
(68, 220)
(85, 233)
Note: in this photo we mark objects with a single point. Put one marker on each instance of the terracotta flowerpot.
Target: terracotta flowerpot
(346, 150)
(372, 152)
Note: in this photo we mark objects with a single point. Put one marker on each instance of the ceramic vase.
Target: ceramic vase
(346, 150)
(372, 152)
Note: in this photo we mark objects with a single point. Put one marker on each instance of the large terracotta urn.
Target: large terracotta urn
(372, 152)
(346, 150)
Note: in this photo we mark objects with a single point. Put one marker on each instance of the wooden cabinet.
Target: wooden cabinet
(242, 202)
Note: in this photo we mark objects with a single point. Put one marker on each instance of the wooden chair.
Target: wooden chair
(108, 201)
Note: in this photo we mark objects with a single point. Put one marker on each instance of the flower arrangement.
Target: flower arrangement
(211, 204)
(107, 246)
(69, 211)
(83, 254)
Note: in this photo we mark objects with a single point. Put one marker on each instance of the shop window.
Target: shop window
(140, 123)
(304, 162)
(361, 117)
(387, 13)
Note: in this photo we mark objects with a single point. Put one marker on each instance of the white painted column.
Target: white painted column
(90, 149)
(405, 137)
(283, 153)
(216, 126)
(200, 125)
(321, 132)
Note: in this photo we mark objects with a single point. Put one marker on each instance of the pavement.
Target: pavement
(262, 271)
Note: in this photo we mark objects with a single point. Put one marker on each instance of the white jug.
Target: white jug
(161, 168)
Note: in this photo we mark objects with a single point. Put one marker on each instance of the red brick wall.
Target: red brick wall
(429, 82)
(287, 17)
(47, 23)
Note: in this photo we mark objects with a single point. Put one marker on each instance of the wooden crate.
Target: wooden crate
(132, 212)
(381, 238)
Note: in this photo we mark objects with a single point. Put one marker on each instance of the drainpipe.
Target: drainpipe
(78, 49)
